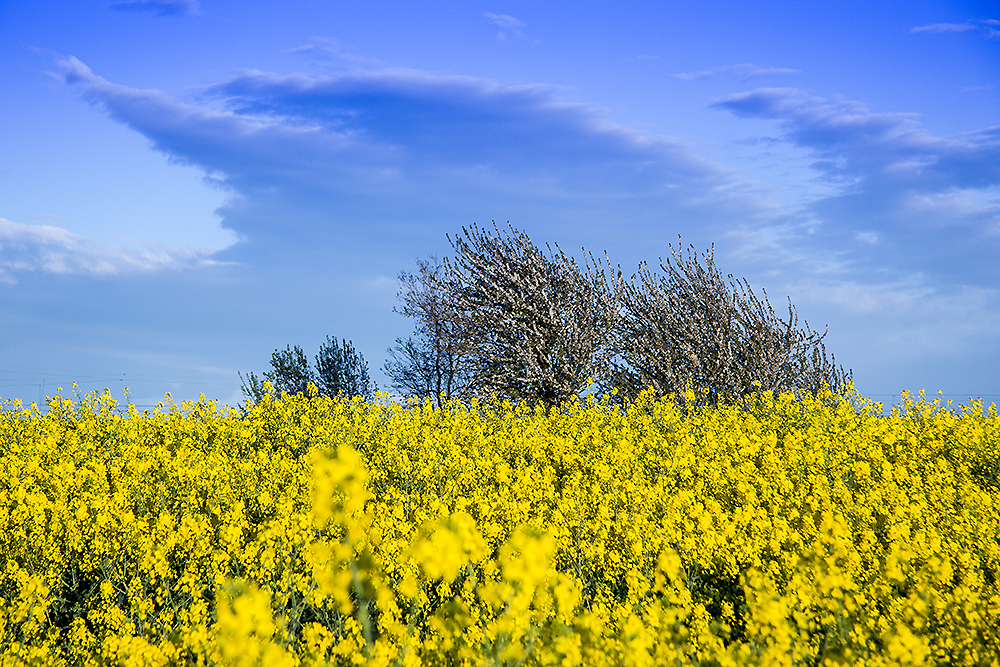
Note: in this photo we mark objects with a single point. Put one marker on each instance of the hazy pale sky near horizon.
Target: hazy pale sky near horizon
(186, 185)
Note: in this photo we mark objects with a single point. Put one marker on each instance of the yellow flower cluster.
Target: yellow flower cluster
(316, 531)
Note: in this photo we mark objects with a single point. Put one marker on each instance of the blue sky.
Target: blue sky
(186, 185)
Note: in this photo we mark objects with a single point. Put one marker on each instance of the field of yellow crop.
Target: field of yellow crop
(313, 531)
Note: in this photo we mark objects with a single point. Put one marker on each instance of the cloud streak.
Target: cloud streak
(509, 26)
(159, 7)
(944, 27)
(886, 149)
(503, 21)
(330, 48)
(51, 249)
(988, 26)
(743, 71)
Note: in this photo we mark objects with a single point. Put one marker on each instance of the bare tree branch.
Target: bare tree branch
(434, 362)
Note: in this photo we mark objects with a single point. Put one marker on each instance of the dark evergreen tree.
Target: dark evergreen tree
(340, 370)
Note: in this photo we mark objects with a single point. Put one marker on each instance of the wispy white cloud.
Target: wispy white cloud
(897, 298)
(944, 27)
(52, 249)
(743, 70)
(883, 147)
(986, 26)
(159, 7)
(509, 26)
(504, 21)
(919, 319)
(691, 76)
(930, 199)
(331, 48)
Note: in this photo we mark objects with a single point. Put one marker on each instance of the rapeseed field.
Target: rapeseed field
(316, 531)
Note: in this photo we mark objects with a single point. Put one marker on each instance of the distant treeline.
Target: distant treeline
(502, 318)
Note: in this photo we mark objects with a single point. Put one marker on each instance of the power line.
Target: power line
(943, 393)
(114, 376)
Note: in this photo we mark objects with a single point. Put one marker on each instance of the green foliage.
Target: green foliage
(340, 369)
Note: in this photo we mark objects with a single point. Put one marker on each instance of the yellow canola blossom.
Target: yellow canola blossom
(319, 531)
